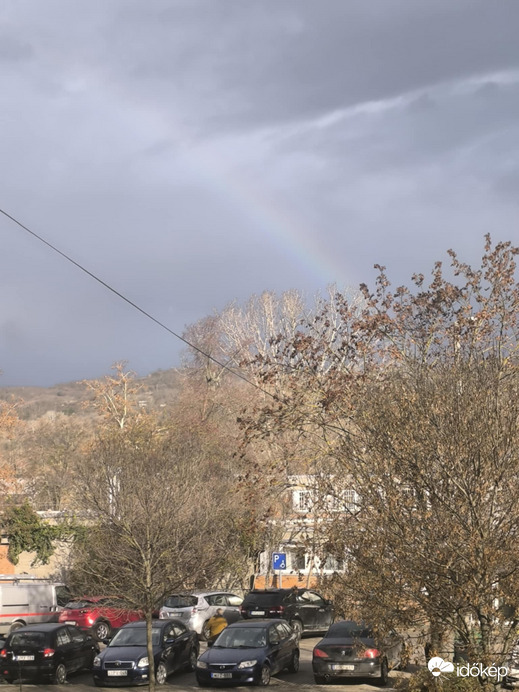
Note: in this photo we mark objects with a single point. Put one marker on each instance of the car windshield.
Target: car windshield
(350, 630)
(27, 640)
(241, 638)
(181, 601)
(135, 636)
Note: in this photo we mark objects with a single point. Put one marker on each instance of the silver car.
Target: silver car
(195, 609)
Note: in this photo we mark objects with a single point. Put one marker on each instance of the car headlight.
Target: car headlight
(201, 664)
(248, 664)
(142, 662)
(97, 662)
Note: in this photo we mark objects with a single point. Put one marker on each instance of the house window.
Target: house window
(302, 500)
(350, 500)
(299, 560)
(333, 564)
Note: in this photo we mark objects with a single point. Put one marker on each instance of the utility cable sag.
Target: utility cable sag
(134, 305)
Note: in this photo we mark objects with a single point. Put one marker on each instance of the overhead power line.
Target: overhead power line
(134, 305)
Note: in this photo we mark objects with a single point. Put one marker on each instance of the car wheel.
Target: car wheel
(294, 663)
(60, 674)
(101, 630)
(264, 678)
(297, 626)
(161, 674)
(193, 657)
(384, 674)
(16, 626)
(319, 680)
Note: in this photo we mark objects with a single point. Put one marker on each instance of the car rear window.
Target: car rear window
(181, 601)
(27, 640)
(264, 598)
(350, 630)
(75, 605)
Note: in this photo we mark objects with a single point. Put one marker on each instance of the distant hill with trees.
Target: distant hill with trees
(72, 398)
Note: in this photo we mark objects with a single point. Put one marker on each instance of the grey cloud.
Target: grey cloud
(13, 49)
(191, 152)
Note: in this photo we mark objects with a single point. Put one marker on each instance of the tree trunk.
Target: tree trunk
(149, 646)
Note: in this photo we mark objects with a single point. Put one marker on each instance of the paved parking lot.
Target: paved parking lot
(185, 682)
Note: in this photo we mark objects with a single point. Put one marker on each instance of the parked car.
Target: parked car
(249, 652)
(46, 651)
(305, 610)
(27, 600)
(125, 659)
(350, 649)
(99, 615)
(195, 609)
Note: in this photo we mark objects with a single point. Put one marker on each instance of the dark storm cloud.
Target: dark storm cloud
(191, 152)
(243, 63)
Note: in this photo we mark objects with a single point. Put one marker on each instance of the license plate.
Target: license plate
(23, 658)
(221, 676)
(70, 622)
(343, 666)
(257, 612)
(175, 615)
(116, 673)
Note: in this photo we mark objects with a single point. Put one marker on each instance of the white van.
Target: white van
(25, 600)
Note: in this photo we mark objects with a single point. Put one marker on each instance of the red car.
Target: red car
(99, 615)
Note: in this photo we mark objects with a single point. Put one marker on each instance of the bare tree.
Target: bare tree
(154, 527)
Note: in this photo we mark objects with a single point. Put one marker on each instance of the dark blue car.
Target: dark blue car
(125, 660)
(249, 651)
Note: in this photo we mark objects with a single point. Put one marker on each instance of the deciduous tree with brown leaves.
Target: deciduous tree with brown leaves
(417, 410)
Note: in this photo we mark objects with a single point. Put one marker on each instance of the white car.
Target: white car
(195, 609)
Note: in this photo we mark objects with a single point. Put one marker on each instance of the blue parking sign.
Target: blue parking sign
(279, 560)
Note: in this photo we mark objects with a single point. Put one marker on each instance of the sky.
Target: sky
(192, 153)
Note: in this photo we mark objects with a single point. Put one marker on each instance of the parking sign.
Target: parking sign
(279, 560)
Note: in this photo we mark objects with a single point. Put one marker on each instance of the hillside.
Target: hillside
(160, 387)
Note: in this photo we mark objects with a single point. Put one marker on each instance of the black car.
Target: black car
(305, 610)
(350, 649)
(249, 652)
(125, 659)
(48, 651)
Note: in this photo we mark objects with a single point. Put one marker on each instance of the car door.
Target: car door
(275, 650)
(286, 643)
(118, 613)
(307, 609)
(324, 612)
(65, 651)
(175, 646)
(232, 607)
(82, 652)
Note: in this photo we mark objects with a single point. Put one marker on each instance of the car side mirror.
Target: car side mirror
(170, 640)
(327, 602)
(105, 641)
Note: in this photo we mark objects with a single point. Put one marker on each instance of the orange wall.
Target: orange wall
(287, 581)
(6, 566)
